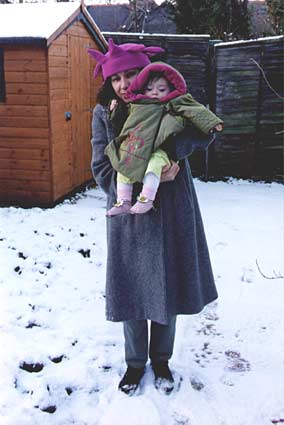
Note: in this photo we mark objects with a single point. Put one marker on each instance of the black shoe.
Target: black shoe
(131, 380)
(163, 377)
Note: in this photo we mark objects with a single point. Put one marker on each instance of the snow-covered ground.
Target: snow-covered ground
(60, 361)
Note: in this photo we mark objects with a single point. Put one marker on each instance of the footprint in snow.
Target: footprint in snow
(236, 363)
(47, 409)
(196, 384)
(85, 252)
(32, 324)
(247, 275)
(219, 246)
(181, 419)
(211, 315)
(18, 270)
(31, 367)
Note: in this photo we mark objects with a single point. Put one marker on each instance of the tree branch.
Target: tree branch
(276, 275)
(266, 80)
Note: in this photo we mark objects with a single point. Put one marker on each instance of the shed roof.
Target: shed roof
(37, 20)
(41, 23)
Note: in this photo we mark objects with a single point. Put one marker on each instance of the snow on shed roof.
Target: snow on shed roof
(39, 20)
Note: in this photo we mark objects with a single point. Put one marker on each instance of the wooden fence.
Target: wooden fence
(238, 80)
(249, 97)
(189, 54)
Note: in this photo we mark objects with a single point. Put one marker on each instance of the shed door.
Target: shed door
(80, 109)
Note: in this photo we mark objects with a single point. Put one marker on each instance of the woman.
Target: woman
(158, 264)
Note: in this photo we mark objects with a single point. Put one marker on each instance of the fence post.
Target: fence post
(258, 115)
(210, 158)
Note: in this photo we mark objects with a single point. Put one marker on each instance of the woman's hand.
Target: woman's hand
(169, 172)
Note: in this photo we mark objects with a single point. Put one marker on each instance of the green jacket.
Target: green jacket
(149, 124)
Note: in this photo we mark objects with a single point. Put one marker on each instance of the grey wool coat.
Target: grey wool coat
(158, 263)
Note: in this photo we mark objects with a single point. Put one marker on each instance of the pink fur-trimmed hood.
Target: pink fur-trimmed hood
(171, 74)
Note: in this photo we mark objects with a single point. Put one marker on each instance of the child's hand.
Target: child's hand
(113, 104)
(218, 127)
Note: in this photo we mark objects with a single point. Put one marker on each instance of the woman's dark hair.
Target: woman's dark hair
(106, 93)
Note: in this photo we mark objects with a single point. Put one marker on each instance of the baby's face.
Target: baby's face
(157, 88)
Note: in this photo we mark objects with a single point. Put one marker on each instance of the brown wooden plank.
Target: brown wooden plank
(62, 185)
(57, 61)
(25, 77)
(62, 40)
(59, 125)
(37, 133)
(61, 174)
(13, 153)
(37, 175)
(76, 92)
(84, 38)
(55, 83)
(24, 164)
(25, 122)
(24, 52)
(28, 143)
(57, 50)
(58, 72)
(25, 65)
(78, 30)
(26, 99)
(22, 111)
(62, 169)
(25, 184)
(26, 198)
(59, 94)
(59, 107)
(61, 158)
(80, 90)
(26, 88)
(62, 137)
(87, 118)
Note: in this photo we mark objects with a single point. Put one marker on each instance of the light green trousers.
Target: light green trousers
(158, 159)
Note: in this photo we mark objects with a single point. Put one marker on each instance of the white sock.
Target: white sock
(124, 191)
(151, 183)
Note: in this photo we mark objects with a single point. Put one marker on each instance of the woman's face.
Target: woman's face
(121, 81)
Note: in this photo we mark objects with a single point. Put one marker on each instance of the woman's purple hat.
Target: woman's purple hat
(121, 57)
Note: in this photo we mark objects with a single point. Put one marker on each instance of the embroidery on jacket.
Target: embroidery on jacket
(133, 143)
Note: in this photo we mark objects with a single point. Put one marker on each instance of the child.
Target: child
(159, 108)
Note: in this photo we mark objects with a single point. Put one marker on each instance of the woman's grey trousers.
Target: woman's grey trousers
(160, 347)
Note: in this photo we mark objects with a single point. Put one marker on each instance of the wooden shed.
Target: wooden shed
(47, 93)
